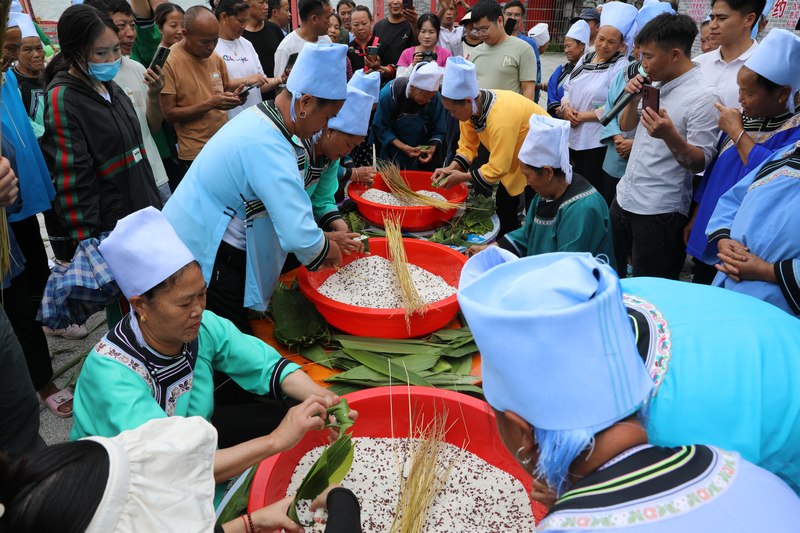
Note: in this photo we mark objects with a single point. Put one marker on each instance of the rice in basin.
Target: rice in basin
(371, 282)
(477, 497)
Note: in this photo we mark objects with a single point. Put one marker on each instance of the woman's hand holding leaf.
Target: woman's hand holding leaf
(273, 518)
(300, 419)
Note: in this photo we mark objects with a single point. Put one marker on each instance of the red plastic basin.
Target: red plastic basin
(416, 218)
(390, 323)
(471, 422)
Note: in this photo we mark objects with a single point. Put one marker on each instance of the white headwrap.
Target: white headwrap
(425, 76)
(580, 31)
(540, 34)
(160, 478)
(777, 58)
(547, 144)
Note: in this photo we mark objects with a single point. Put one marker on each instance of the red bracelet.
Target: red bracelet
(250, 521)
(245, 525)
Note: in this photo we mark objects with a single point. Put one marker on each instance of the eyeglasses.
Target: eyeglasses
(482, 31)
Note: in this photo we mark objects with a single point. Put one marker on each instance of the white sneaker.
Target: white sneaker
(73, 331)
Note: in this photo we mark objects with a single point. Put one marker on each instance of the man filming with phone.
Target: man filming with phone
(676, 131)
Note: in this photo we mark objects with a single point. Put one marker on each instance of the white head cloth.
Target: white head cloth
(547, 144)
(425, 76)
(555, 339)
(26, 25)
(540, 34)
(142, 251)
(320, 70)
(777, 58)
(160, 478)
(460, 80)
(580, 31)
(621, 16)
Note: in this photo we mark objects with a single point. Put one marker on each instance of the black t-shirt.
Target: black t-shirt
(265, 42)
(29, 88)
(394, 37)
(356, 53)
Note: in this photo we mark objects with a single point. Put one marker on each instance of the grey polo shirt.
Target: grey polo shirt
(654, 182)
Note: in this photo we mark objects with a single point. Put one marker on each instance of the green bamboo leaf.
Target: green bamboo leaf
(441, 366)
(452, 334)
(341, 414)
(388, 367)
(463, 388)
(317, 355)
(237, 505)
(449, 378)
(361, 383)
(340, 337)
(460, 365)
(340, 389)
(466, 349)
(416, 362)
(388, 347)
(361, 372)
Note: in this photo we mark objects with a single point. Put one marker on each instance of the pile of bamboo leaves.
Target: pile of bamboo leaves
(475, 220)
(443, 360)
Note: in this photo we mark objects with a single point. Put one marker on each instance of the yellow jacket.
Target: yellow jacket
(506, 129)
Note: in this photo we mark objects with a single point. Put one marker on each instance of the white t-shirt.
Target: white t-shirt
(242, 60)
(292, 44)
(721, 75)
(131, 79)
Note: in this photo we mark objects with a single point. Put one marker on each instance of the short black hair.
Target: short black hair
(514, 3)
(363, 9)
(308, 8)
(670, 31)
(230, 7)
(111, 6)
(745, 7)
(341, 3)
(488, 9)
(272, 5)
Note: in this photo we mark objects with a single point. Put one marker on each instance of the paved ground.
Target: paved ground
(54, 429)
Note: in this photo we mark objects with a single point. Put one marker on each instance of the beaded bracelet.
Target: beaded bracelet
(250, 521)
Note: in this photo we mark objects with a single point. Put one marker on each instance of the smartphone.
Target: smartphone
(246, 90)
(408, 4)
(372, 50)
(160, 57)
(509, 26)
(651, 97)
(290, 64)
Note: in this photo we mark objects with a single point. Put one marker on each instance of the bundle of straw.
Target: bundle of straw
(426, 478)
(412, 301)
(398, 187)
(5, 236)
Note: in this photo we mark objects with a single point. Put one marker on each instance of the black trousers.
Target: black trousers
(177, 172)
(31, 244)
(589, 164)
(508, 207)
(61, 242)
(702, 273)
(19, 416)
(22, 315)
(654, 242)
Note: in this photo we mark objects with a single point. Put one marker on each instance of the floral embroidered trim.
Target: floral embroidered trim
(660, 351)
(788, 172)
(176, 391)
(113, 352)
(551, 221)
(705, 488)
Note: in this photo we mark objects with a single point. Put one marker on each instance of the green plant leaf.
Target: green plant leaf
(460, 365)
(340, 389)
(442, 366)
(388, 367)
(388, 347)
(317, 355)
(341, 413)
(460, 351)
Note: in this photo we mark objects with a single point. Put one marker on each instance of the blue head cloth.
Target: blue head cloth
(651, 11)
(368, 83)
(621, 16)
(460, 80)
(555, 340)
(556, 348)
(321, 71)
(777, 58)
(353, 117)
(16, 7)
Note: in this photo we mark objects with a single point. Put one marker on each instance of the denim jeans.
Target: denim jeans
(653, 242)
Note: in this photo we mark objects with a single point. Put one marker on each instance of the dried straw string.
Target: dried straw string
(412, 301)
(390, 174)
(5, 236)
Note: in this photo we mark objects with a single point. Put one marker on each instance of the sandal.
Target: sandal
(56, 400)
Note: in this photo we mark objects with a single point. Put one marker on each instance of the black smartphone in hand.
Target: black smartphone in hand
(372, 50)
(509, 26)
(160, 57)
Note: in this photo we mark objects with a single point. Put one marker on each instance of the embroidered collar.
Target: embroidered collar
(761, 129)
(487, 100)
(588, 66)
(653, 337)
(272, 112)
(566, 69)
(650, 485)
(546, 210)
(316, 165)
(169, 377)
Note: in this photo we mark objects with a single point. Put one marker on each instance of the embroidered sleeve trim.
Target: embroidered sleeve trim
(787, 273)
(659, 352)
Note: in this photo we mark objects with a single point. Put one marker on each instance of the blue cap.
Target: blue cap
(353, 117)
(651, 11)
(555, 340)
(621, 16)
(369, 83)
(321, 71)
(460, 79)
